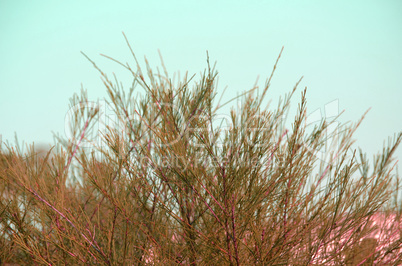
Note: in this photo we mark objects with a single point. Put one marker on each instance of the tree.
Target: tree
(168, 185)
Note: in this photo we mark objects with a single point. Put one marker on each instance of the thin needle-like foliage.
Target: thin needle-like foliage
(169, 184)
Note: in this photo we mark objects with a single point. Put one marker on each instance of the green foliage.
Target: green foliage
(169, 185)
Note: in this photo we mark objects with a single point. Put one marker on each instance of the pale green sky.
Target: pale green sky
(346, 50)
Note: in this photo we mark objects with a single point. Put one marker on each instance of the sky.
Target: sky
(348, 52)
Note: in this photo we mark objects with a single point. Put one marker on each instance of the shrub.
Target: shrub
(169, 185)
